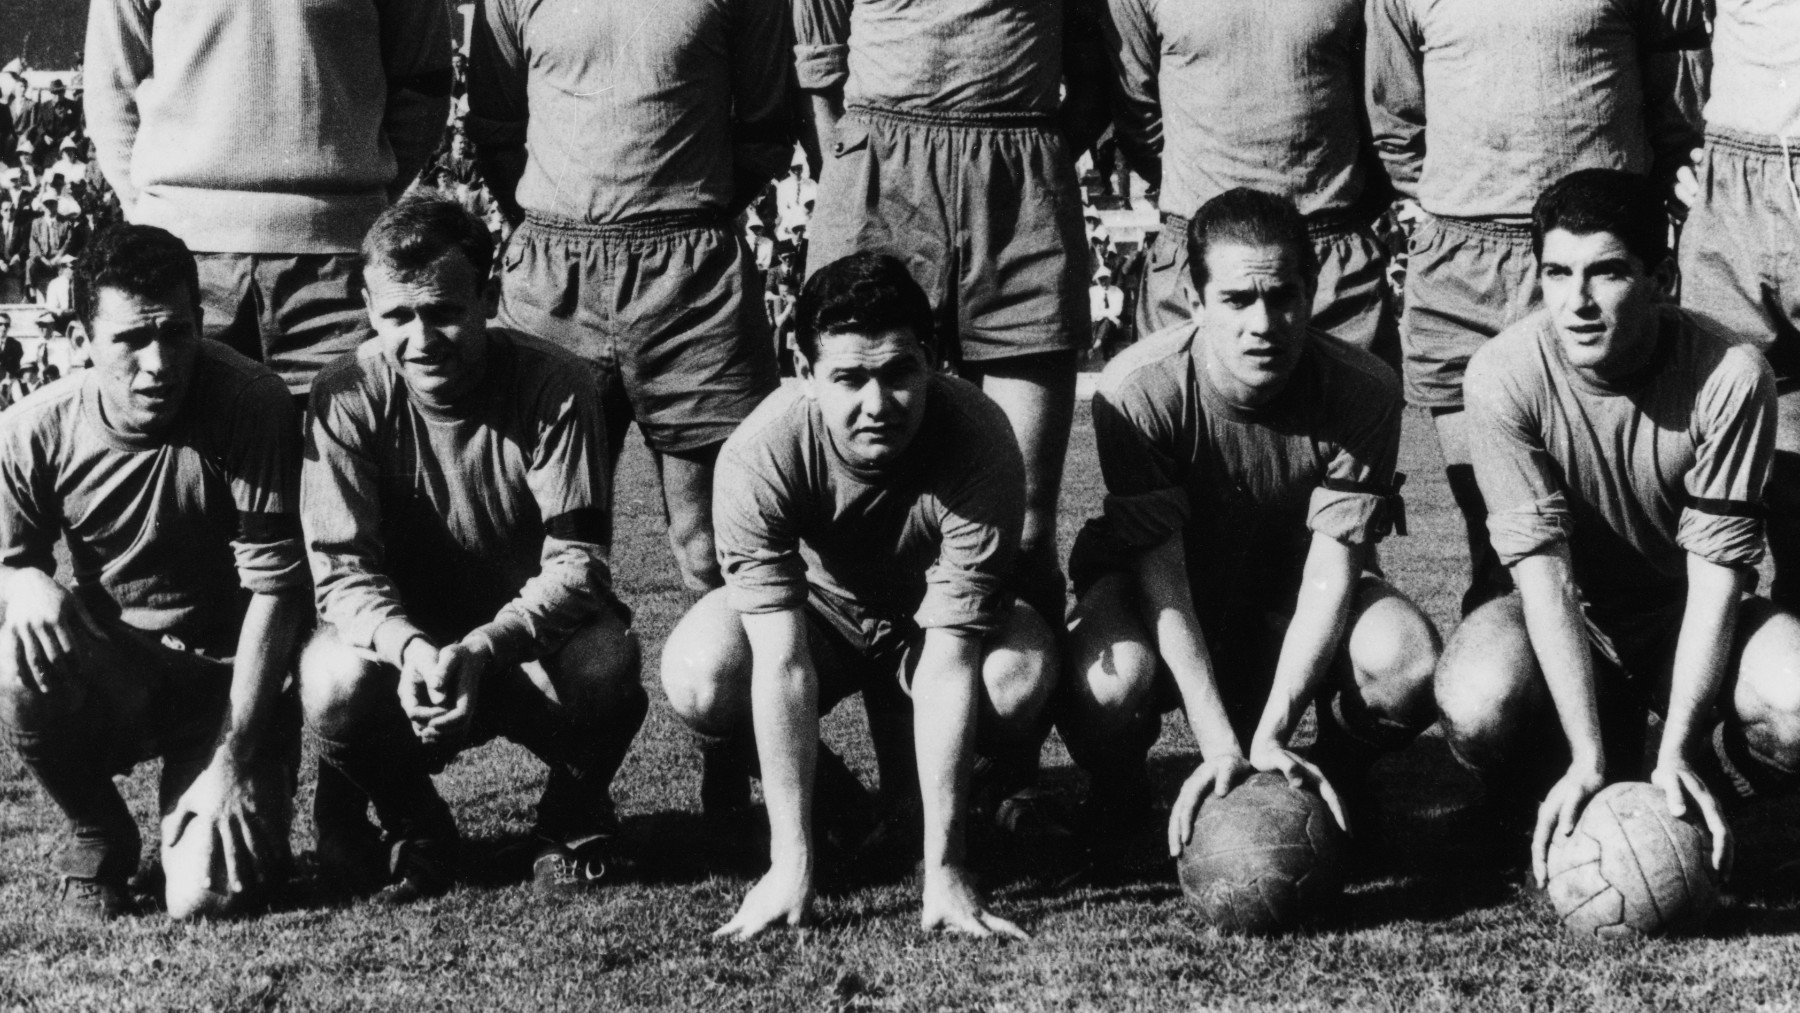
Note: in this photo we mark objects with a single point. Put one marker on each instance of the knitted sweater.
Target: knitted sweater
(263, 126)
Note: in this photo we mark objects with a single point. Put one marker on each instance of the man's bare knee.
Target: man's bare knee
(1019, 670)
(341, 686)
(1487, 685)
(601, 663)
(1111, 666)
(1394, 653)
(706, 667)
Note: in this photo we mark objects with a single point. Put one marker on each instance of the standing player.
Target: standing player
(169, 469)
(868, 524)
(629, 136)
(268, 135)
(1740, 255)
(949, 147)
(1265, 95)
(457, 519)
(1622, 447)
(1249, 465)
(1476, 107)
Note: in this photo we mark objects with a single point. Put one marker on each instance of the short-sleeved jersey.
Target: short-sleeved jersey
(491, 515)
(1246, 488)
(932, 536)
(1632, 478)
(169, 534)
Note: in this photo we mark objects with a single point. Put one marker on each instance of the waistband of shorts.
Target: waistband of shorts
(996, 120)
(1746, 143)
(1485, 228)
(1331, 224)
(653, 226)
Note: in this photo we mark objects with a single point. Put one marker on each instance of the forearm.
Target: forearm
(785, 708)
(564, 594)
(266, 645)
(1168, 612)
(945, 693)
(501, 167)
(1702, 651)
(826, 108)
(1559, 640)
(1321, 617)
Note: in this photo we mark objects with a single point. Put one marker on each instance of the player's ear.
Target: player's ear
(1667, 276)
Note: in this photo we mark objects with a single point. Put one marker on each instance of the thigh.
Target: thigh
(1351, 302)
(694, 350)
(312, 312)
(1163, 292)
(687, 487)
(1022, 285)
(1725, 246)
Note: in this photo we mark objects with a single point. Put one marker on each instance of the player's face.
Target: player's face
(1601, 299)
(143, 349)
(1253, 314)
(433, 322)
(871, 392)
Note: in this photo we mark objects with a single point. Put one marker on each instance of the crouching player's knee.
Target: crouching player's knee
(1766, 700)
(706, 667)
(1109, 668)
(600, 667)
(343, 689)
(1394, 653)
(1487, 687)
(1019, 667)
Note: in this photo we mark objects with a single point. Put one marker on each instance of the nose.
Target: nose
(877, 399)
(1257, 316)
(153, 359)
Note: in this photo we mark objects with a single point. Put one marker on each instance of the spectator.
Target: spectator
(57, 234)
(71, 163)
(794, 195)
(15, 247)
(1106, 308)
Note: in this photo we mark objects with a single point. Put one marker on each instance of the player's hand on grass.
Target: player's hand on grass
(1677, 779)
(951, 904)
(1300, 773)
(783, 896)
(43, 628)
(1212, 779)
(1557, 815)
(220, 805)
(454, 684)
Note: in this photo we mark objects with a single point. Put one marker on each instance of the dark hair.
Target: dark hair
(864, 292)
(141, 260)
(1623, 204)
(1250, 218)
(420, 228)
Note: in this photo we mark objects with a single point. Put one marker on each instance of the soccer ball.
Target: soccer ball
(1262, 857)
(1630, 868)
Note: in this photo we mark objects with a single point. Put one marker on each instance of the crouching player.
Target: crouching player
(457, 521)
(169, 468)
(1249, 468)
(868, 522)
(1623, 450)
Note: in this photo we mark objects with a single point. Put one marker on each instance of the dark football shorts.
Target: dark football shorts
(1466, 281)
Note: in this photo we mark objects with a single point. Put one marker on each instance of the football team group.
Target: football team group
(342, 466)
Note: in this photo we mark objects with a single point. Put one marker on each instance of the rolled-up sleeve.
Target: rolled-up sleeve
(979, 523)
(263, 466)
(1356, 502)
(1394, 80)
(1528, 511)
(1724, 518)
(822, 43)
(756, 530)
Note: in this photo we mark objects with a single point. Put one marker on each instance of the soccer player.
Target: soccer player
(457, 520)
(1739, 250)
(1263, 95)
(1622, 447)
(868, 522)
(268, 135)
(1249, 467)
(629, 136)
(950, 144)
(1476, 107)
(169, 470)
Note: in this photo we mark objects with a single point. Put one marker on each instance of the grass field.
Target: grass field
(1434, 932)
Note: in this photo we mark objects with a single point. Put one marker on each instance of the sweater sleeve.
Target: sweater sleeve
(416, 59)
(822, 43)
(1134, 50)
(117, 62)
(1394, 80)
(262, 459)
(568, 480)
(762, 128)
(1723, 517)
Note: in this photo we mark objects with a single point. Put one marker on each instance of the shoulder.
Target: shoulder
(1510, 354)
(225, 379)
(779, 420)
(1354, 374)
(1152, 368)
(46, 412)
(364, 368)
(540, 369)
(1721, 360)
